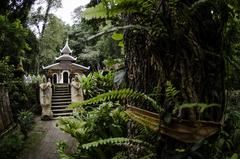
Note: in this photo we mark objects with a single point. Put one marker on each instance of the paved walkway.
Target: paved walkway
(42, 142)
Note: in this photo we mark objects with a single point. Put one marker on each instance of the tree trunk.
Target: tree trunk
(189, 56)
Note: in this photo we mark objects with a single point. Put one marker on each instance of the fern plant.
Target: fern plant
(108, 120)
(96, 83)
(171, 92)
(109, 8)
(118, 95)
(116, 141)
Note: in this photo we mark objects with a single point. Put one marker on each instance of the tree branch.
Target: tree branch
(116, 29)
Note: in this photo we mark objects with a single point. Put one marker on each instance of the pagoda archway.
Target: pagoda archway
(65, 77)
(54, 78)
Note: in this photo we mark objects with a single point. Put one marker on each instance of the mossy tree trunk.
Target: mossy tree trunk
(186, 51)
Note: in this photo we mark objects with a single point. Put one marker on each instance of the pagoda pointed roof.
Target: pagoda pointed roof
(66, 49)
(66, 57)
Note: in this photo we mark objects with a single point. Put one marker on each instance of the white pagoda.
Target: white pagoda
(65, 67)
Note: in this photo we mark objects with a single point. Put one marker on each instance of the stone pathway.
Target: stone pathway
(42, 142)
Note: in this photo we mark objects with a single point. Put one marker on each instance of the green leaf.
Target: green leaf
(234, 156)
(117, 36)
(121, 44)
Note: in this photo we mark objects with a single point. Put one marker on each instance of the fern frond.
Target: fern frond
(111, 9)
(171, 91)
(114, 141)
(61, 146)
(199, 2)
(75, 127)
(117, 95)
(98, 11)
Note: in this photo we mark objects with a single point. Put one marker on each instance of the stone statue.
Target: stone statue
(46, 99)
(76, 90)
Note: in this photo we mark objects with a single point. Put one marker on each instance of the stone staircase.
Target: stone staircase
(61, 98)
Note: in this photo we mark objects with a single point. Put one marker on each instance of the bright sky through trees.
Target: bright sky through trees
(68, 6)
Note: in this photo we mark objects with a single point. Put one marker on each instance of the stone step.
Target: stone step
(62, 114)
(61, 99)
(61, 94)
(61, 84)
(59, 107)
(61, 89)
(61, 111)
(60, 103)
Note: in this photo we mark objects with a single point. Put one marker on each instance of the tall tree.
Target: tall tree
(39, 19)
(181, 42)
(13, 30)
(52, 41)
(16, 9)
(39, 16)
(95, 51)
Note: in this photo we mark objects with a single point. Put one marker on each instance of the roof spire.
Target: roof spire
(67, 41)
(66, 49)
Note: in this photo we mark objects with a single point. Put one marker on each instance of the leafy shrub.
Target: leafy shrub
(11, 146)
(22, 97)
(106, 121)
(6, 71)
(25, 120)
(96, 83)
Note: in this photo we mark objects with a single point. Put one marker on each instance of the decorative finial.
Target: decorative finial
(67, 41)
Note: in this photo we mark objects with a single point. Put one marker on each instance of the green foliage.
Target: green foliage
(117, 140)
(95, 51)
(110, 63)
(117, 36)
(110, 8)
(61, 146)
(11, 145)
(22, 96)
(227, 142)
(117, 95)
(234, 156)
(25, 120)
(15, 9)
(100, 122)
(171, 92)
(200, 106)
(106, 121)
(52, 40)
(96, 83)
(187, 44)
(12, 39)
(108, 46)
(91, 56)
(6, 71)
